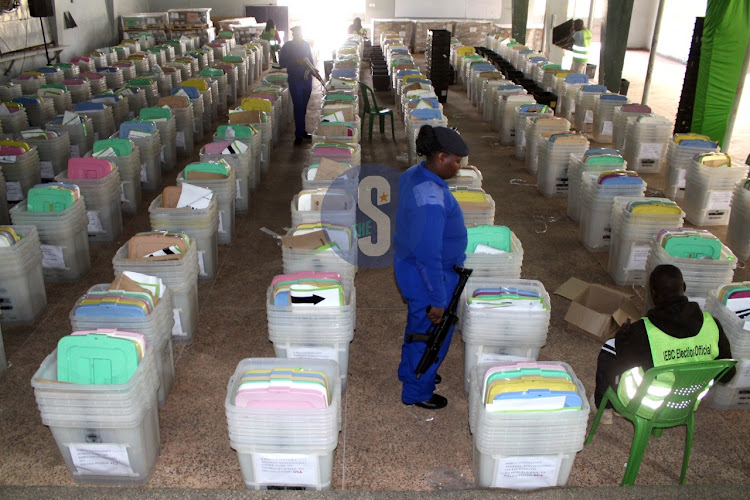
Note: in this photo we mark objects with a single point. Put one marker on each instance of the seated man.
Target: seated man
(673, 323)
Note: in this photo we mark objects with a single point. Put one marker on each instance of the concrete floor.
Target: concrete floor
(383, 446)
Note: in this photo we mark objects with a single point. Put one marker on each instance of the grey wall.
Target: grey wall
(642, 24)
(384, 9)
(220, 9)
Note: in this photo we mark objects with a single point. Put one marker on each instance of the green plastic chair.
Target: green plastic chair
(678, 408)
(374, 110)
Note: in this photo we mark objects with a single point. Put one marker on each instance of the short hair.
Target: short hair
(666, 282)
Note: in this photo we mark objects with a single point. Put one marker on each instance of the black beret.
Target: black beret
(450, 141)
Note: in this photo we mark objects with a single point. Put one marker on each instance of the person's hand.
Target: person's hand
(435, 314)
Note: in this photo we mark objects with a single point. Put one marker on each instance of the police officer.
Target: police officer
(674, 331)
(430, 239)
(293, 55)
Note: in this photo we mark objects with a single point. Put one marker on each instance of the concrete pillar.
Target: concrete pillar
(520, 17)
(615, 28)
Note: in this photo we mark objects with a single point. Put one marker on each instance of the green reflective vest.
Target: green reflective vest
(581, 52)
(666, 350)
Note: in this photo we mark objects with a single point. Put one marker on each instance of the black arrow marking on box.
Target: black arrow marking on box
(313, 299)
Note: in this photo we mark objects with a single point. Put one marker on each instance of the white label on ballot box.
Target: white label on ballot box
(177, 330)
(489, 357)
(221, 223)
(95, 222)
(607, 128)
(719, 200)
(285, 469)
(75, 151)
(637, 257)
(180, 139)
(52, 257)
(239, 192)
(123, 197)
(588, 117)
(312, 353)
(527, 472)
(682, 178)
(742, 379)
(162, 154)
(402, 34)
(144, 174)
(13, 191)
(110, 459)
(201, 263)
(46, 168)
(473, 29)
(651, 150)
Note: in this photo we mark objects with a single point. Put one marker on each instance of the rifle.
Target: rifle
(312, 70)
(435, 336)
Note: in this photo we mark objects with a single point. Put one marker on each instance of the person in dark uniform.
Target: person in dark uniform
(673, 323)
(293, 57)
(430, 239)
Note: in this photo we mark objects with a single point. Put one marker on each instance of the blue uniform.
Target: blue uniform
(430, 239)
(300, 87)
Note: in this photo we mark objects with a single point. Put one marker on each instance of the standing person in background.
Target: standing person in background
(294, 56)
(581, 46)
(272, 36)
(430, 239)
(356, 28)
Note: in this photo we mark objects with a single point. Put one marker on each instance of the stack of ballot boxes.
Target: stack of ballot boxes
(173, 258)
(4, 213)
(704, 260)
(710, 181)
(635, 221)
(680, 152)
(53, 149)
(59, 214)
(586, 99)
(535, 128)
(196, 99)
(59, 95)
(22, 291)
(493, 252)
(528, 421)
(503, 319)
(598, 190)
(38, 110)
(468, 176)
(522, 115)
(321, 246)
(271, 115)
(593, 161)
(511, 104)
(220, 77)
(125, 155)
(730, 304)
(501, 96)
(238, 156)
(250, 136)
(264, 125)
(311, 316)
(488, 100)
(330, 205)
(194, 211)
(182, 109)
(285, 432)
(21, 168)
(554, 154)
(620, 117)
(99, 182)
(646, 140)
(105, 421)
(738, 229)
(604, 110)
(117, 306)
(231, 89)
(145, 135)
(350, 153)
(220, 178)
(101, 116)
(3, 361)
(13, 117)
(331, 174)
(204, 90)
(478, 207)
(165, 122)
(415, 121)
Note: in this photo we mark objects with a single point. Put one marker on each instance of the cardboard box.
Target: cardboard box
(596, 310)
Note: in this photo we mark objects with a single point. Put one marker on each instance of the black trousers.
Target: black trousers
(606, 371)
